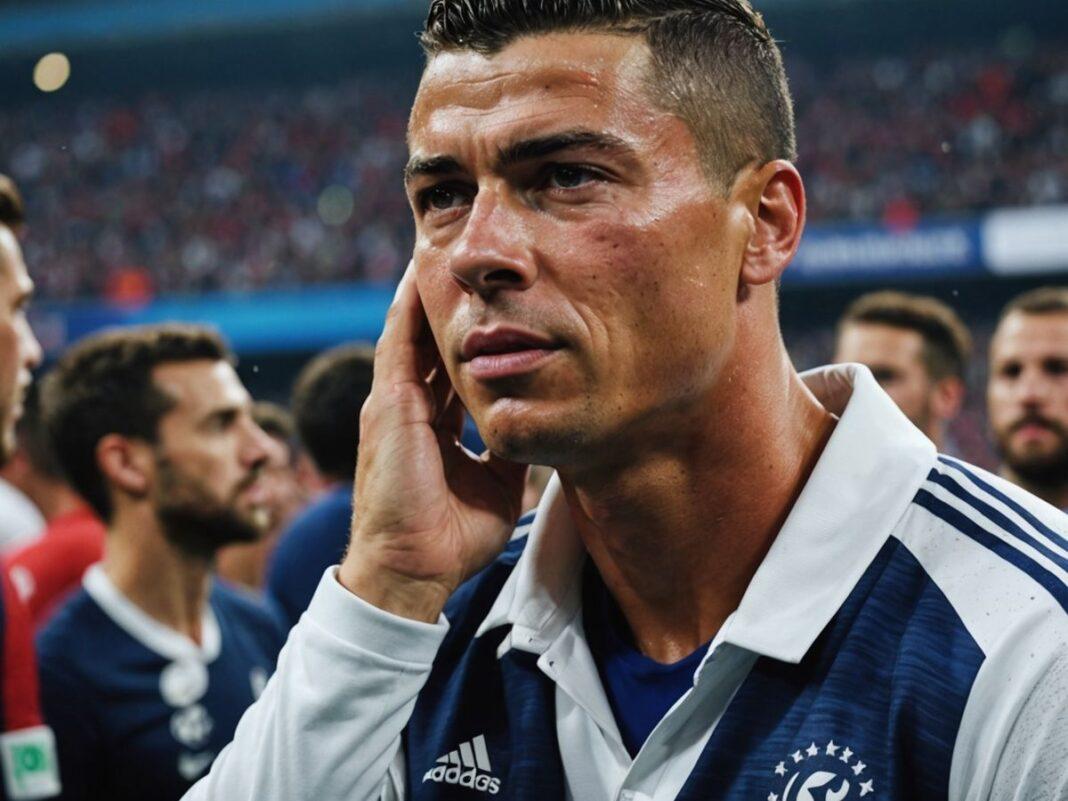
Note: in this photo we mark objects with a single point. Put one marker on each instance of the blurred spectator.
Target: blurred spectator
(28, 767)
(154, 429)
(222, 189)
(246, 564)
(1027, 396)
(231, 189)
(917, 348)
(49, 569)
(327, 398)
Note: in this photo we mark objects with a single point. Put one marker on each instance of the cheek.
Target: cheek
(650, 292)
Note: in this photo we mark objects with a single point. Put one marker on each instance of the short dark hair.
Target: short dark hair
(1044, 300)
(327, 398)
(12, 213)
(33, 438)
(947, 344)
(714, 63)
(103, 385)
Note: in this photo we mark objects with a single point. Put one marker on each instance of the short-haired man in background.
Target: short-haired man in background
(50, 568)
(27, 749)
(743, 583)
(146, 671)
(1027, 394)
(917, 348)
(326, 395)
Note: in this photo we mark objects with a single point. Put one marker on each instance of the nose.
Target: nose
(258, 446)
(32, 354)
(493, 253)
(1033, 388)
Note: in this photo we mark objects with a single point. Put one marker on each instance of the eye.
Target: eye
(569, 176)
(1010, 370)
(1056, 367)
(443, 197)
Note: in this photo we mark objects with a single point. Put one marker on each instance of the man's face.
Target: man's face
(20, 352)
(209, 490)
(1027, 397)
(578, 271)
(895, 357)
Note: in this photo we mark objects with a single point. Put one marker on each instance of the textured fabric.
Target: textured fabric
(47, 571)
(134, 723)
(19, 706)
(639, 689)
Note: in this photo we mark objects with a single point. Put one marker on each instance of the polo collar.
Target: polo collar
(872, 466)
(148, 631)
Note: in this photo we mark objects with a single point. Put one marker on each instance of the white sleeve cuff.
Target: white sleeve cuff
(351, 619)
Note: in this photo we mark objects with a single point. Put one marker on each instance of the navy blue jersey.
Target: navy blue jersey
(139, 711)
(314, 541)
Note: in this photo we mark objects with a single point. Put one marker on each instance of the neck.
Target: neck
(1054, 493)
(58, 500)
(168, 585)
(678, 533)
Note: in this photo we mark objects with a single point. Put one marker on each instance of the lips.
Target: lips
(502, 352)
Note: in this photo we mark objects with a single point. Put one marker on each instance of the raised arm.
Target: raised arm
(427, 516)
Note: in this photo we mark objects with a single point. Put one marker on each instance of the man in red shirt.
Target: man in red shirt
(27, 748)
(48, 569)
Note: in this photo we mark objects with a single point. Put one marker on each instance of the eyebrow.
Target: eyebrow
(518, 152)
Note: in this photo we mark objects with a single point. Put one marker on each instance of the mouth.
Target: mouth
(504, 352)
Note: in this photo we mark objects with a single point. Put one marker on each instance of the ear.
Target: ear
(775, 197)
(947, 398)
(127, 464)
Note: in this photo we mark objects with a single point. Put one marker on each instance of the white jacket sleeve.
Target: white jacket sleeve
(328, 724)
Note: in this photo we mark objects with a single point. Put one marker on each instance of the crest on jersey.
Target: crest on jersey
(822, 772)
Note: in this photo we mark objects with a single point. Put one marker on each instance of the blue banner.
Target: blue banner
(855, 252)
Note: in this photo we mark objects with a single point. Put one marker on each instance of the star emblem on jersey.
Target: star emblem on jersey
(821, 772)
(468, 765)
(191, 726)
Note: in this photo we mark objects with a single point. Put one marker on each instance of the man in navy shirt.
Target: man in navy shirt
(146, 671)
(604, 201)
(325, 397)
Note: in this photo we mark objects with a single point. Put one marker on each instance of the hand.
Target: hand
(427, 514)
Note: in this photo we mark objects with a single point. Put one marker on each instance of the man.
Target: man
(245, 564)
(1027, 394)
(145, 672)
(325, 395)
(48, 570)
(744, 583)
(917, 348)
(27, 747)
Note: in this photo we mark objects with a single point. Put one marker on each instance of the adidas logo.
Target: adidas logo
(467, 766)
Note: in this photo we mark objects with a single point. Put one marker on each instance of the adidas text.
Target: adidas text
(465, 778)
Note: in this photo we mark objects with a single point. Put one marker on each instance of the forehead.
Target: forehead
(877, 340)
(1032, 335)
(13, 275)
(200, 386)
(588, 79)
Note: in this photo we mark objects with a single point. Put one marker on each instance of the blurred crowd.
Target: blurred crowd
(941, 132)
(231, 189)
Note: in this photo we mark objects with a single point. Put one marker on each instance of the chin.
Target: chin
(530, 437)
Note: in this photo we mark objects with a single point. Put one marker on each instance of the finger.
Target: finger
(398, 351)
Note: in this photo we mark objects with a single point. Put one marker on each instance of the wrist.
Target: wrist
(415, 599)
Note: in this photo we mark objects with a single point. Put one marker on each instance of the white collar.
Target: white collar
(148, 631)
(865, 479)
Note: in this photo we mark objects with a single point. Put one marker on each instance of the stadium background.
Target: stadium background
(239, 164)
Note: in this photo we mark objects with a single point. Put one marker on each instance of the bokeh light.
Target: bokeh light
(51, 72)
(335, 205)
